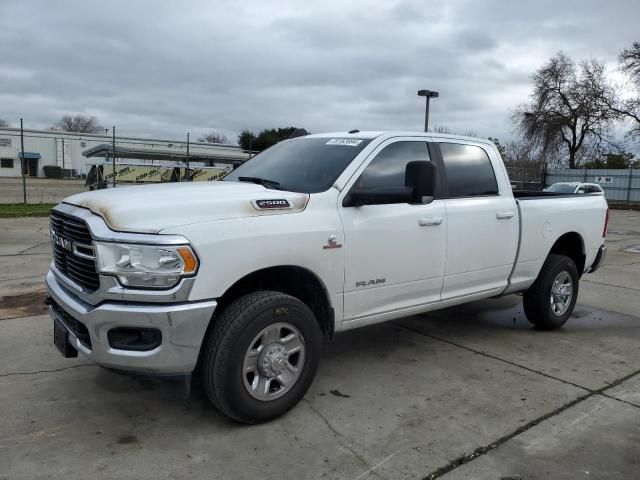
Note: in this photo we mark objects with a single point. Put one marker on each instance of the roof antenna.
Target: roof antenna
(355, 130)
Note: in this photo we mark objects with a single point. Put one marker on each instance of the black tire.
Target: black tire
(228, 341)
(537, 300)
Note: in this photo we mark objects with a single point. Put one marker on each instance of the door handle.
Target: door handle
(429, 222)
(504, 215)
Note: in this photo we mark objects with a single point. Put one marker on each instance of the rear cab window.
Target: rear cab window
(468, 171)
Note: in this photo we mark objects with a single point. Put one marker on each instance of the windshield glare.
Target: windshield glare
(308, 165)
(559, 188)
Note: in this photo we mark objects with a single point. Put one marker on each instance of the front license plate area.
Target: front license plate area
(61, 340)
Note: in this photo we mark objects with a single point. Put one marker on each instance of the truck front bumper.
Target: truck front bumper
(182, 327)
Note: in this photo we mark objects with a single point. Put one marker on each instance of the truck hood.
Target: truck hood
(153, 208)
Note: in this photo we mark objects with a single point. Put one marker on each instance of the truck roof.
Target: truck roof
(373, 134)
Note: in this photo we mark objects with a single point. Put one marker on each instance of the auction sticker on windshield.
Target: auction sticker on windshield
(351, 142)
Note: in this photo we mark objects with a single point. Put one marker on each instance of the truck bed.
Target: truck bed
(526, 194)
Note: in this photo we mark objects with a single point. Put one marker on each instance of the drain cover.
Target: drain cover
(633, 249)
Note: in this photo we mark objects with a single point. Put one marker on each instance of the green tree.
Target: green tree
(612, 160)
(246, 140)
(3, 123)
(619, 160)
(266, 138)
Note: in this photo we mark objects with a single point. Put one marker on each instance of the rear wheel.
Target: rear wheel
(549, 302)
(261, 356)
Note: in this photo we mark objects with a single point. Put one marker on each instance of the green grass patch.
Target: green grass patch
(13, 210)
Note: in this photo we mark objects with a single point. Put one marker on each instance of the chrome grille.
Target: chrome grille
(72, 250)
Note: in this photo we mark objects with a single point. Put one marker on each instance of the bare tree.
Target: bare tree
(214, 137)
(441, 129)
(3, 123)
(570, 106)
(629, 60)
(78, 123)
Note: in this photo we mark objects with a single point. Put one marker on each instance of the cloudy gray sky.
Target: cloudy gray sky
(164, 68)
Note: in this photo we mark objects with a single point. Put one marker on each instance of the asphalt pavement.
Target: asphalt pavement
(470, 392)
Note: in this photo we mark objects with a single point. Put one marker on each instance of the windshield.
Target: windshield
(561, 188)
(308, 165)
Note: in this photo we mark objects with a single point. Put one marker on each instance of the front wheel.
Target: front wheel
(549, 302)
(261, 356)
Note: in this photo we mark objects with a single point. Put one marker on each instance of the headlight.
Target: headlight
(151, 266)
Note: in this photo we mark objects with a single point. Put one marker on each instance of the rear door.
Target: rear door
(395, 252)
(482, 221)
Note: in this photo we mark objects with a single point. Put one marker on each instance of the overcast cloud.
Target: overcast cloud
(164, 68)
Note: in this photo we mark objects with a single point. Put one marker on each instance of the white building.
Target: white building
(44, 147)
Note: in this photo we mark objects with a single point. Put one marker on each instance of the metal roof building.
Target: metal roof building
(74, 151)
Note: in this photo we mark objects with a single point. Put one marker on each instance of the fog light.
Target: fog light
(134, 339)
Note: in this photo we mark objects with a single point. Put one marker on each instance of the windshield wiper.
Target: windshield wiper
(261, 181)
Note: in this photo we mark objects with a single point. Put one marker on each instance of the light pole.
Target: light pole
(428, 94)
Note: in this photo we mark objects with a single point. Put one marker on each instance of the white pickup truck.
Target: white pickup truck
(240, 280)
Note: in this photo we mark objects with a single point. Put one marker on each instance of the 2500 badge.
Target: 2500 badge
(272, 204)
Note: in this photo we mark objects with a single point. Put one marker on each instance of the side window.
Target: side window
(387, 169)
(469, 171)
(6, 162)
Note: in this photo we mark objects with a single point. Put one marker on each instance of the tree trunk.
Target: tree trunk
(572, 158)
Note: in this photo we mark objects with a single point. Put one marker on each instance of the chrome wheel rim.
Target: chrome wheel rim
(561, 294)
(273, 362)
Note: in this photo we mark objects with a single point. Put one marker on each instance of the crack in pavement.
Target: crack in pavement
(26, 254)
(19, 316)
(619, 400)
(5, 279)
(47, 371)
(22, 252)
(612, 285)
(494, 357)
(336, 433)
(466, 458)
(463, 459)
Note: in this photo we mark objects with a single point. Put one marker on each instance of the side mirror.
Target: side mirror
(419, 180)
(420, 176)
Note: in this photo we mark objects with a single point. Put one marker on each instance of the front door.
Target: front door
(395, 252)
(31, 167)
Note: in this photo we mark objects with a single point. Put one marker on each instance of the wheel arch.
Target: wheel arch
(293, 280)
(571, 244)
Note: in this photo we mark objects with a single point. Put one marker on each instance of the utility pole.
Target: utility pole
(113, 153)
(187, 172)
(428, 94)
(23, 164)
